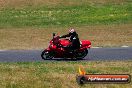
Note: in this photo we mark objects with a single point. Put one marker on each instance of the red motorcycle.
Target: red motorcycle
(56, 49)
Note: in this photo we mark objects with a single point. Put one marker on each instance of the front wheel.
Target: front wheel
(47, 55)
(81, 54)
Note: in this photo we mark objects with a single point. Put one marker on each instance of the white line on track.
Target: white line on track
(124, 46)
(2, 50)
(96, 47)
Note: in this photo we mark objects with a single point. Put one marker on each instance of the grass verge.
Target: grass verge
(59, 74)
(38, 38)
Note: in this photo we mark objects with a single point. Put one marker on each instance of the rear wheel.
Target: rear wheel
(46, 55)
(81, 54)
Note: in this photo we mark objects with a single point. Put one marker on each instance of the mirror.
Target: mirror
(53, 35)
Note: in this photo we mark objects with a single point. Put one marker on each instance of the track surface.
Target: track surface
(94, 54)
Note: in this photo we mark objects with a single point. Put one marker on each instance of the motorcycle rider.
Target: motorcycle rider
(73, 38)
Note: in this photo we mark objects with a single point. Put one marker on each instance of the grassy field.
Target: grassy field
(58, 74)
(28, 24)
(65, 16)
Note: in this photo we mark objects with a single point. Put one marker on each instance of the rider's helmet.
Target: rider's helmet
(72, 30)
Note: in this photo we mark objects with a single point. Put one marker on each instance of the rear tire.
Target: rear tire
(46, 55)
(81, 55)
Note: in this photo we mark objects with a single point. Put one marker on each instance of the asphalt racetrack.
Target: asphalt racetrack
(95, 54)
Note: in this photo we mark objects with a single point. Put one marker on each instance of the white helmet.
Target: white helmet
(72, 30)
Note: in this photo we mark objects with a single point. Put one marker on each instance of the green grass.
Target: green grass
(50, 74)
(60, 16)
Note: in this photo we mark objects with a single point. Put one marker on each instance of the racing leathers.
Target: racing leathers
(75, 43)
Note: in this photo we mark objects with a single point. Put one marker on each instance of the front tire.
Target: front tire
(47, 55)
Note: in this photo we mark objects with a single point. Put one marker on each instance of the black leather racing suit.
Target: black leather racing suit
(75, 43)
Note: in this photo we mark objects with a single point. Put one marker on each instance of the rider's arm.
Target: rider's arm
(64, 36)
